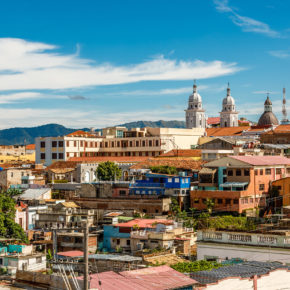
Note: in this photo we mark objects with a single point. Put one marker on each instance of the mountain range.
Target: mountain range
(27, 135)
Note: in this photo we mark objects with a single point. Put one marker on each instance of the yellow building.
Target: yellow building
(11, 158)
(283, 185)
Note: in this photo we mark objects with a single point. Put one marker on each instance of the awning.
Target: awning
(234, 184)
(206, 170)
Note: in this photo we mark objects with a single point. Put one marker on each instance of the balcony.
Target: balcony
(147, 184)
(252, 239)
(142, 235)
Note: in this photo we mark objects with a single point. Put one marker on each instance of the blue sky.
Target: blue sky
(102, 63)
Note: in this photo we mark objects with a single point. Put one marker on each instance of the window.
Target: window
(122, 192)
(169, 180)
(204, 200)
(156, 143)
(42, 144)
(220, 201)
(176, 180)
(196, 200)
(60, 143)
(42, 156)
(54, 144)
(268, 171)
(261, 186)
(137, 143)
(236, 201)
(228, 201)
(118, 241)
(143, 143)
(82, 143)
(256, 172)
(150, 143)
(238, 172)
(75, 143)
(247, 172)
(128, 242)
(230, 173)
(54, 155)
(11, 174)
(278, 171)
(38, 260)
(261, 172)
(60, 155)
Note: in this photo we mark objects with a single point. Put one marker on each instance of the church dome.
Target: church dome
(195, 96)
(268, 118)
(229, 100)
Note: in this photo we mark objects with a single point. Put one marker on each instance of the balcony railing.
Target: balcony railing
(146, 184)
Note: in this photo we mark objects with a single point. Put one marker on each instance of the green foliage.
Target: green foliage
(108, 171)
(58, 181)
(13, 192)
(164, 169)
(202, 265)
(49, 255)
(226, 223)
(209, 205)
(8, 227)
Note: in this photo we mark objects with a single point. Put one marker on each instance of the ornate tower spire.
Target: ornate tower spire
(194, 86)
(228, 90)
(284, 111)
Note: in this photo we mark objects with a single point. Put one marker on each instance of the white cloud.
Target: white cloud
(246, 23)
(26, 65)
(264, 92)
(280, 53)
(22, 96)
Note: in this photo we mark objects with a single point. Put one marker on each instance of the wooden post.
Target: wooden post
(86, 258)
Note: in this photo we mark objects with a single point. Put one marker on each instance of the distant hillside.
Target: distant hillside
(156, 124)
(18, 135)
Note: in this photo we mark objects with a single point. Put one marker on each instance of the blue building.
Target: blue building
(161, 184)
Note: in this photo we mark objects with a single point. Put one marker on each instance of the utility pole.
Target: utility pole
(86, 257)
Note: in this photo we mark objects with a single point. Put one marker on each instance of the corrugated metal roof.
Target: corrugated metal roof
(33, 193)
(157, 278)
(263, 160)
(123, 258)
(243, 270)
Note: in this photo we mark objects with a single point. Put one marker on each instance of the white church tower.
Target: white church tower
(195, 116)
(229, 116)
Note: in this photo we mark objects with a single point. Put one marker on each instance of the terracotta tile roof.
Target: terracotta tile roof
(71, 254)
(99, 159)
(81, 133)
(61, 170)
(263, 160)
(213, 120)
(144, 223)
(63, 165)
(282, 129)
(180, 163)
(226, 131)
(182, 153)
(30, 147)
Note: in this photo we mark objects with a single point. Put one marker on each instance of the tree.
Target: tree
(209, 205)
(8, 227)
(108, 171)
(164, 169)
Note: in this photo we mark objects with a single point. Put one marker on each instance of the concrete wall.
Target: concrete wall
(247, 253)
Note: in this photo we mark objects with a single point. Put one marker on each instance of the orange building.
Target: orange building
(238, 183)
(283, 185)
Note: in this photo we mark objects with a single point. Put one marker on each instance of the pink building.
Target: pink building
(20, 215)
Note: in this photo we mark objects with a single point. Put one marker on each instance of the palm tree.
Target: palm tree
(209, 205)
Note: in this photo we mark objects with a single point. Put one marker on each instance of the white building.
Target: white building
(229, 116)
(248, 246)
(115, 142)
(195, 114)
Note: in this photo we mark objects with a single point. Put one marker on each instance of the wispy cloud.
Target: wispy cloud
(24, 96)
(77, 98)
(264, 92)
(26, 65)
(246, 23)
(280, 53)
